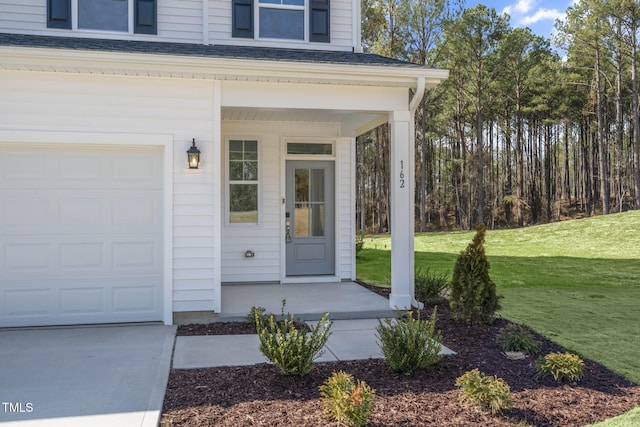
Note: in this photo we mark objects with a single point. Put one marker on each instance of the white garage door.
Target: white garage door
(80, 234)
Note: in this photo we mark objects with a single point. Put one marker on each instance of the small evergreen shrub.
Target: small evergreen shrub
(429, 286)
(348, 402)
(409, 345)
(561, 366)
(516, 338)
(488, 393)
(289, 347)
(473, 294)
(257, 315)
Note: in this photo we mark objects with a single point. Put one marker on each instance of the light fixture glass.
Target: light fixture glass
(193, 156)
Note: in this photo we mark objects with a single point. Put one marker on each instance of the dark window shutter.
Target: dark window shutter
(242, 18)
(145, 17)
(59, 14)
(319, 14)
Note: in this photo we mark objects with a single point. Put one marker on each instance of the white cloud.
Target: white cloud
(542, 14)
(520, 7)
(524, 6)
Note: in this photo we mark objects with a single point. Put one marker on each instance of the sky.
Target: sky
(539, 15)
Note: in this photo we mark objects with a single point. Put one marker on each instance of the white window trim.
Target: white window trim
(336, 170)
(307, 140)
(227, 182)
(74, 20)
(256, 20)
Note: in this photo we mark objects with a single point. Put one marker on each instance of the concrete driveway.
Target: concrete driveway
(84, 376)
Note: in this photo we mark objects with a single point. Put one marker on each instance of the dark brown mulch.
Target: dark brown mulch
(224, 328)
(260, 395)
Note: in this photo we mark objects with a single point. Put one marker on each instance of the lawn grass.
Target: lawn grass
(576, 282)
(628, 419)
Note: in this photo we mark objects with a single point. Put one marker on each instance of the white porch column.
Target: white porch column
(402, 210)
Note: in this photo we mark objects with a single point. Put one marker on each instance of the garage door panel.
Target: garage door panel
(77, 211)
(138, 170)
(26, 257)
(27, 168)
(134, 299)
(80, 167)
(72, 212)
(121, 299)
(137, 255)
(20, 303)
(24, 210)
(88, 301)
(139, 212)
(82, 256)
(80, 235)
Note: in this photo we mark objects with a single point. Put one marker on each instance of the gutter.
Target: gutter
(417, 97)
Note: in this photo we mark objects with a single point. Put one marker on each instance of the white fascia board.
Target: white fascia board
(316, 96)
(100, 62)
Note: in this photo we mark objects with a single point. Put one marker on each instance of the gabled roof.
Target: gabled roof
(199, 50)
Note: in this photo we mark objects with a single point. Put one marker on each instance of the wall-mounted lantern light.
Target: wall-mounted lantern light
(193, 156)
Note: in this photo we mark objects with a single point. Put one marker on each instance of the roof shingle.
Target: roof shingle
(199, 50)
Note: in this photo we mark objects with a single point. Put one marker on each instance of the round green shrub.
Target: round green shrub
(410, 344)
(488, 393)
(517, 338)
(561, 366)
(348, 402)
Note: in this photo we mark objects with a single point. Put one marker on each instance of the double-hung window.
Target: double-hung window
(243, 181)
(127, 16)
(281, 19)
(304, 20)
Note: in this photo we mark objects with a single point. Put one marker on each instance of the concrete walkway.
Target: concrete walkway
(84, 376)
(349, 340)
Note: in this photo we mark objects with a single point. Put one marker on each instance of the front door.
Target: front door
(310, 218)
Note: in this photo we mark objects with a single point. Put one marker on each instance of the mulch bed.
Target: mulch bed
(260, 395)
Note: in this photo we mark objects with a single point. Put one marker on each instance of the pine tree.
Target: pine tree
(473, 293)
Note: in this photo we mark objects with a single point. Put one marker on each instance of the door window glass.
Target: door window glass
(309, 202)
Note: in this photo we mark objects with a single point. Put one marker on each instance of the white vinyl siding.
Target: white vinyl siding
(111, 104)
(178, 21)
(266, 239)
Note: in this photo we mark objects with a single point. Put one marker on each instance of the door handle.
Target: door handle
(287, 225)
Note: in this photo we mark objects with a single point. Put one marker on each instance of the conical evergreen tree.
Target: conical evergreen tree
(473, 294)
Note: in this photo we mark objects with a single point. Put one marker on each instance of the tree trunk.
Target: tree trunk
(603, 174)
(635, 113)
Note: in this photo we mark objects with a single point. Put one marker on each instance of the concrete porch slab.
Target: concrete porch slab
(342, 300)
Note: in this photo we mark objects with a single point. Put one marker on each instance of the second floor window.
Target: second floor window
(281, 19)
(127, 16)
(109, 15)
(300, 20)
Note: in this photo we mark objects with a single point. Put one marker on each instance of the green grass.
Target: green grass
(629, 419)
(576, 282)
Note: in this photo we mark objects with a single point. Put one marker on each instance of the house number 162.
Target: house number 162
(401, 173)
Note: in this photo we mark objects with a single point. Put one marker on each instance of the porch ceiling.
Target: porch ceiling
(352, 123)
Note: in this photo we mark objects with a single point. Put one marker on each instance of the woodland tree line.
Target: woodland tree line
(518, 134)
